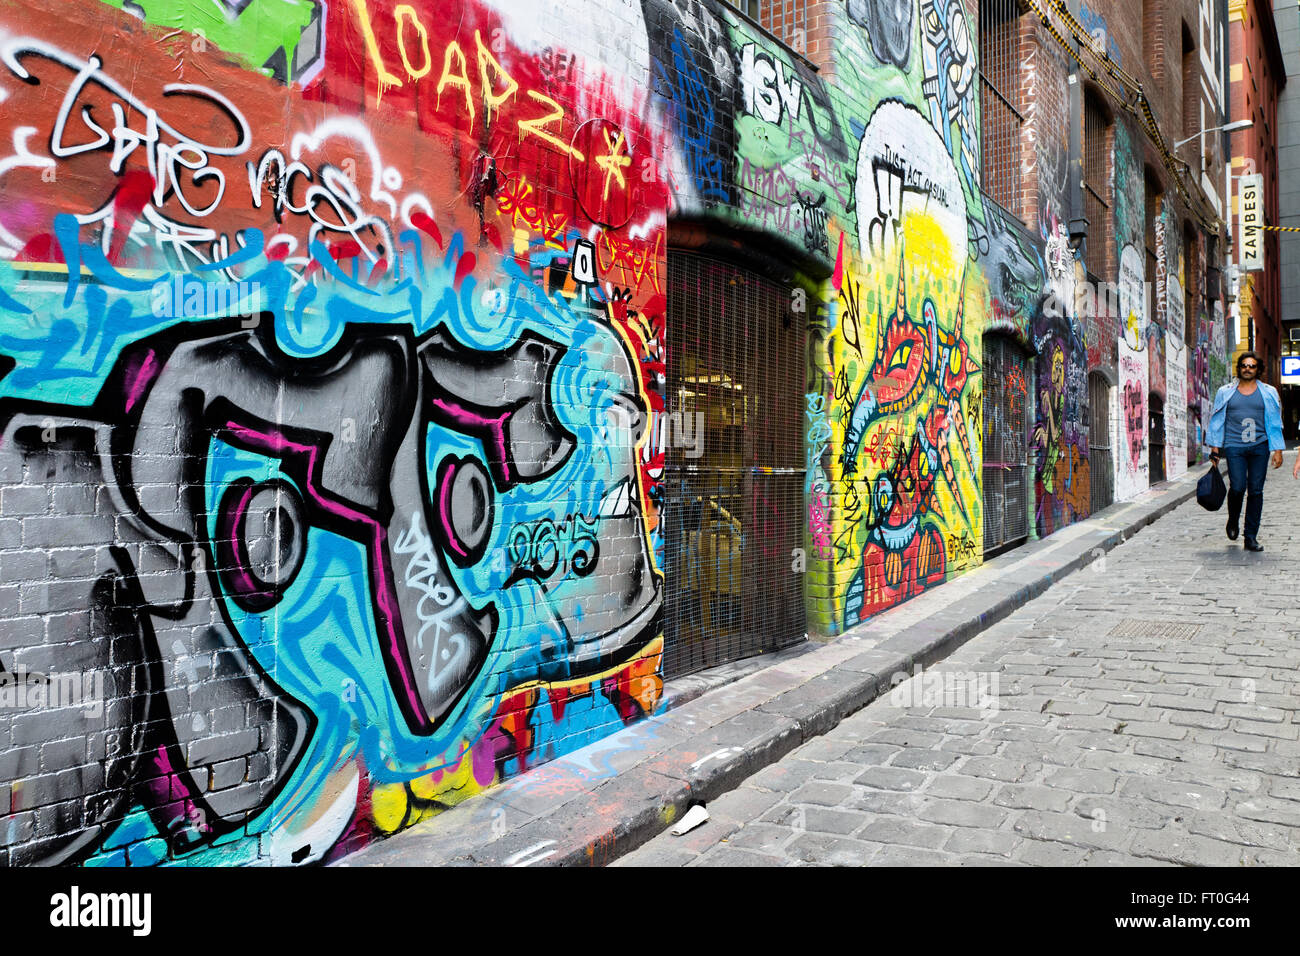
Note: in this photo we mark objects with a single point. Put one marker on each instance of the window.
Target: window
(999, 37)
(1096, 179)
(787, 20)
(1152, 41)
(1191, 101)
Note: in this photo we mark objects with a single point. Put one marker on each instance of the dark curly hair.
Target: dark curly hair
(1259, 363)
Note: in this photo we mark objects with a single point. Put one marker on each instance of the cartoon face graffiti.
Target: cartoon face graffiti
(904, 357)
(889, 28)
(904, 553)
(920, 370)
(902, 495)
(948, 83)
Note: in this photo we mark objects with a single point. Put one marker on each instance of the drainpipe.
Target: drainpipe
(1079, 224)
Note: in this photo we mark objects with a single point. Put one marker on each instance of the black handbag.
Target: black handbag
(1210, 490)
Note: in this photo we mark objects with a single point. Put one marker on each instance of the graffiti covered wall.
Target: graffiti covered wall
(1177, 400)
(333, 374)
(906, 306)
(1134, 365)
(871, 187)
(329, 342)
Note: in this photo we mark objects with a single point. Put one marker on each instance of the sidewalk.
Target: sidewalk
(605, 800)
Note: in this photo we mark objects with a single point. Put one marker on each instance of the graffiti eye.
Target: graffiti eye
(465, 509)
(884, 494)
(954, 362)
(901, 355)
(261, 541)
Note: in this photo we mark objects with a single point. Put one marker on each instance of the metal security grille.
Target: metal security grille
(1100, 463)
(1191, 102)
(1006, 446)
(999, 38)
(733, 496)
(1156, 437)
(785, 19)
(1132, 627)
(1095, 191)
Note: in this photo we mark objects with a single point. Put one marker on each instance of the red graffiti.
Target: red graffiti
(638, 258)
(518, 201)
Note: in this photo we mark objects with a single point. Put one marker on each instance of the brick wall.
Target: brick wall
(328, 462)
(333, 421)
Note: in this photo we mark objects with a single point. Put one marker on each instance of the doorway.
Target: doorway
(733, 467)
(1006, 444)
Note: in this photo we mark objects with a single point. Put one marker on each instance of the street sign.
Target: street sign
(1250, 198)
(1291, 369)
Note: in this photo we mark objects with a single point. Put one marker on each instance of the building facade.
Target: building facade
(1258, 78)
(1286, 18)
(394, 396)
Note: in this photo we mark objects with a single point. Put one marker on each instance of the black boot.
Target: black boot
(1234, 513)
(1253, 545)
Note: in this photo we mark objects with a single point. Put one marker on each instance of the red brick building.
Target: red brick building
(1257, 76)
(1118, 107)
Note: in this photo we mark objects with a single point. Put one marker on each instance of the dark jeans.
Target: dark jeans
(1247, 469)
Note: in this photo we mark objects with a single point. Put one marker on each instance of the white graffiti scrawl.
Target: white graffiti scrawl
(903, 169)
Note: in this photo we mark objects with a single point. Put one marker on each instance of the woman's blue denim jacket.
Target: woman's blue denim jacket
(1272, 416)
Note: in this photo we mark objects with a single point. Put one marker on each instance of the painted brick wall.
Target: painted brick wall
(330, 384)
(332, 381)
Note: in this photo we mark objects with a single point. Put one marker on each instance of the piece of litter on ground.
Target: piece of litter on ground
(694, 817)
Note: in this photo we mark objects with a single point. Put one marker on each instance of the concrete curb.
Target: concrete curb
(609, 798)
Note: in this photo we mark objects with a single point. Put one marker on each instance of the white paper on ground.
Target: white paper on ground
(694, 817)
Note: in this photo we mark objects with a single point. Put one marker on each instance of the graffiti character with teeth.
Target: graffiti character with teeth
(920, 372)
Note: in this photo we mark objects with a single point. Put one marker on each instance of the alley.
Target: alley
(1142, 711)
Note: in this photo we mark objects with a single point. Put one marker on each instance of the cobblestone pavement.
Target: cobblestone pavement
(1108, 741)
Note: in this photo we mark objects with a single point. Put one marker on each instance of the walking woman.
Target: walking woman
(1245, 424)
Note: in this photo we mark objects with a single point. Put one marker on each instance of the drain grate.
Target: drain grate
(1131, 627)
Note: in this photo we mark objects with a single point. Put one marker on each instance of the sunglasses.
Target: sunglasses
(1251, 366)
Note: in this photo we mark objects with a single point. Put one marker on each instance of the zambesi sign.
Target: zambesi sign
(1250, 196)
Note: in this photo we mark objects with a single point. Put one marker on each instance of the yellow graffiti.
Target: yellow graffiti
(613, 162)
(496, 86)
(535, 127)
(408, 12)
(905, 514)
(395, 806)
(386, 78)
(459, 79)
(492, 100)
